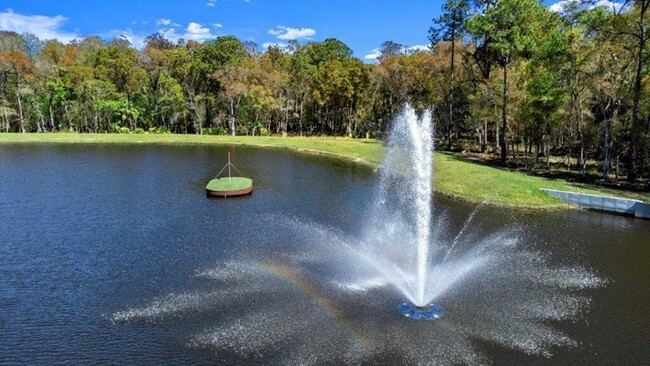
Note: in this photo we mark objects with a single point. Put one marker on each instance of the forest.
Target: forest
(510, 81)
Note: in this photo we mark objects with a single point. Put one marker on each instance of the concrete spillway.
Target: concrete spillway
(619, 205)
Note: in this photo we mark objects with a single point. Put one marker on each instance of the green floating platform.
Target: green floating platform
(229, 187)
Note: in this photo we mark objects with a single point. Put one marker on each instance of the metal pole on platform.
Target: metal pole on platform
(229, 178)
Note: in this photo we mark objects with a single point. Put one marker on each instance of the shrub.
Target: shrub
(159, 130)
(114, 128)
(215, 131)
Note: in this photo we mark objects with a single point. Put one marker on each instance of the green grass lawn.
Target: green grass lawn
(226, 184)
(454, 176)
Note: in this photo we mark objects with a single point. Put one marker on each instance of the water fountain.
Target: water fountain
(319, 294)
(404, 206)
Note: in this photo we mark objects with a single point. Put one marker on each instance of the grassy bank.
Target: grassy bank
(454, 177)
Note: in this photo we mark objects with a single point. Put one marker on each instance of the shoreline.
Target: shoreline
(455, 177)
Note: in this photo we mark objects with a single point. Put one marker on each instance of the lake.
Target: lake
(109, 254)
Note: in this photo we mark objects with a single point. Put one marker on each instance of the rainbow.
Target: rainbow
(305, 286)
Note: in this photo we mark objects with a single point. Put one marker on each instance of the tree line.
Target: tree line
(508, 77)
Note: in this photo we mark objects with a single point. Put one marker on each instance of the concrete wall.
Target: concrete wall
(642, 210)
(603, 203)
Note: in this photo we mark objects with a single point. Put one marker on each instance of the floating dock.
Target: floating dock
(229, 187)
(624, 206)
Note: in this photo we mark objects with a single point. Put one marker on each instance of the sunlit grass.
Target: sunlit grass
(457, 176)
(229, 184)
(454, 176)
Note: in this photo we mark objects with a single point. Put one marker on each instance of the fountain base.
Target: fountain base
(427, 312)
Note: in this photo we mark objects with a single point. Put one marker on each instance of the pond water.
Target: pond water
(113, 254)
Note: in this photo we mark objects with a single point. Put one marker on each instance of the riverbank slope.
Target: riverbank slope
(454, 176)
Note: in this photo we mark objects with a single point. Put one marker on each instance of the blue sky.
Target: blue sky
(361, 24)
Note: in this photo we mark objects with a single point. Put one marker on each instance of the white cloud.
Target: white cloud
(409, 50)
(44, 27)
(197, 30)
(288, 33)
(373, 55)
(267, 45)
(163, 21)
(284, 47)
(170, 34)
(211, 3)
(614, 6)
(561, 6)
(193, 32)
(136, 40)
(415, 48)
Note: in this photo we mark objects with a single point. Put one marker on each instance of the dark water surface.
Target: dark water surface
(90, 231)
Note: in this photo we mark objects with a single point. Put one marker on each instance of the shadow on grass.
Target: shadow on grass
(640, 190)
(457, 157)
